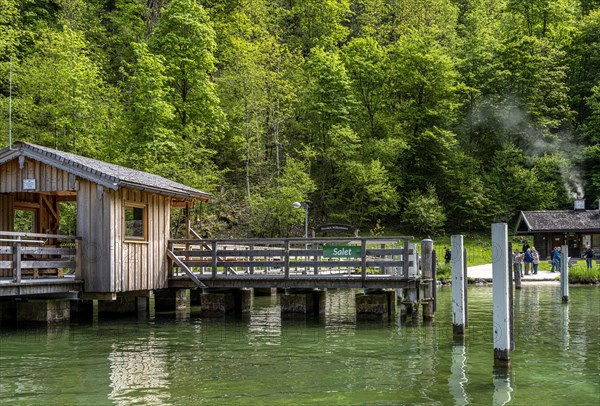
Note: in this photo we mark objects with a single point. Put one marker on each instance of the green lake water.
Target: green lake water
(262, 359)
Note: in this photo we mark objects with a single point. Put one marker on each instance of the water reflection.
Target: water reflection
(458, 374)
(261, 359)
(502, 386)
(138, 372)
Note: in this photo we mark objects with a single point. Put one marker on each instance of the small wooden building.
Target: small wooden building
(123, 215)
(576, 228)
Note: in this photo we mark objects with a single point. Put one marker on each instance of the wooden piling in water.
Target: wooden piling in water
(500, 289)
(458, 286)
(427, 272)
(564, 273)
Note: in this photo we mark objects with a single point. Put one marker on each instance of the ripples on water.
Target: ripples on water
(262, 359)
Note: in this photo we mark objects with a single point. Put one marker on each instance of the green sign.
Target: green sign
(341, 251)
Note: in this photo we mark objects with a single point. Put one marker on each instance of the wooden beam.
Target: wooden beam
(99, 295)
(50, 207)
(29, 205)
(185, 269)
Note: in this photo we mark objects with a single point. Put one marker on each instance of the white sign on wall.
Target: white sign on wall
(28, 184)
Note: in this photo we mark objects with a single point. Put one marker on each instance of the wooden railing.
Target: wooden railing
(293, 257)
(35, 255)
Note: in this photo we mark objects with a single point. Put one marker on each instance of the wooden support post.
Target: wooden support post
(426, 268)
(500, 289)
(434, 277)
(315, 246)
(286, 251)
(169, 263)
(564, 273)
(215, 257)
(251, 267)
(405, 262)
(458, 286)
(383, 270)
(17, 261)
(363, 260)
(78, 259)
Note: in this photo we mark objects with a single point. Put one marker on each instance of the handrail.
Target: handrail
(197, 236)
(39, 235)
(296, 240)
(24, 256)
(286, 255)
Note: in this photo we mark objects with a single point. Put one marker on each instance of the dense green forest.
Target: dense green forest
(417, 115)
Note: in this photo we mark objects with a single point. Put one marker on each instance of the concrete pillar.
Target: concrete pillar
(195, 297)
(220, 303)
(8, 312)
(43, 311)
(500, 287)
(82, 310)
(427, 273)
(564, 273)
(458, 286)
(142, 306)
(242, 300)
(308, 302)
(121, 306)
(171, 299)
(381, 305)
(217, 304)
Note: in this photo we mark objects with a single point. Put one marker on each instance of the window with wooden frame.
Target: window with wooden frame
(135, 221)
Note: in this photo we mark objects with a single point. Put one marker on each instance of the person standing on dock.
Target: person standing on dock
(589, 256)
(555, 259)
(447, 255)
(528, 259)
(536, 260)
(518, 262)
(525, 247)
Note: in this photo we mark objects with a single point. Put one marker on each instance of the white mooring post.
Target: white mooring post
(564, 273)
(500, 295)
(458, 286)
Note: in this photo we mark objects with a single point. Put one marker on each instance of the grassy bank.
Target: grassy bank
(479, 248)
(579, 274)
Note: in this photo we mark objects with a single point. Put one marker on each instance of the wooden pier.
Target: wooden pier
(286, 263)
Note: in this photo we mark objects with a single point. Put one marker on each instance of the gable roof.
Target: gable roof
(558, 221)
(103, 173)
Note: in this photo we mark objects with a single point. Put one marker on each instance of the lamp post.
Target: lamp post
(297, 205)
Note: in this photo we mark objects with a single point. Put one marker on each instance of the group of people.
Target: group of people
(528, 256)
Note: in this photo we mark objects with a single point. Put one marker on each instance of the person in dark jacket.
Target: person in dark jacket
(528, 260)
(589, 256)
(556, 259)
(447, 255)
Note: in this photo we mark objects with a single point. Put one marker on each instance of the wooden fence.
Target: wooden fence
(35, 255)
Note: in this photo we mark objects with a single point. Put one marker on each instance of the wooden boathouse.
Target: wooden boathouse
(121, 253)
(123, 215)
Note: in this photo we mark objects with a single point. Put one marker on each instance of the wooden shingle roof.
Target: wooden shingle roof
(103, 173)
(559, 221)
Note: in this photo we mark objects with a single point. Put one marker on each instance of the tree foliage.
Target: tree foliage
(429, 115)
